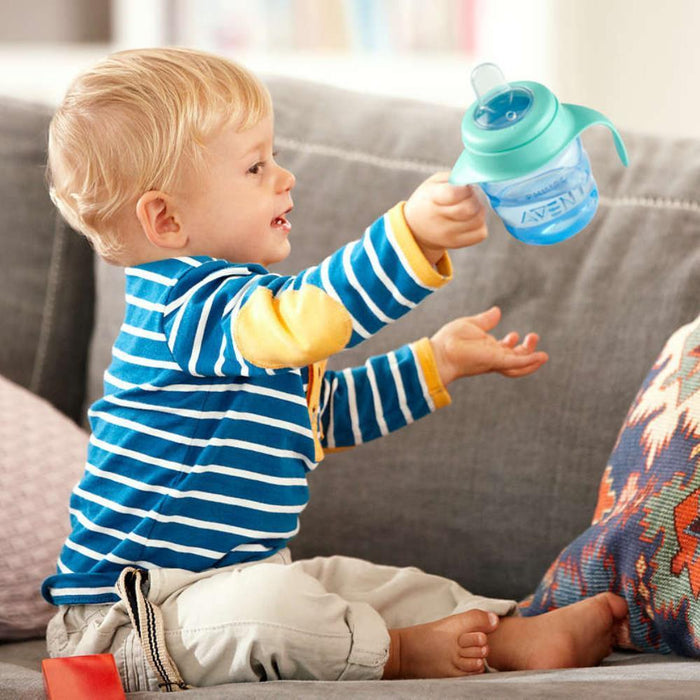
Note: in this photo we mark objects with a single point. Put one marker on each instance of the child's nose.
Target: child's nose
(285, 180)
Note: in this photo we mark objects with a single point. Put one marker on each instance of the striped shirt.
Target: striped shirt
(217, 404)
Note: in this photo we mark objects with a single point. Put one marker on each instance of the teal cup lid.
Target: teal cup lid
(516, 128)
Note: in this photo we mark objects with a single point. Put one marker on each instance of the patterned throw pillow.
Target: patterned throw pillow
(644, 543)
(42, 454)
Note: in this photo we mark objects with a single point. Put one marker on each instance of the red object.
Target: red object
(93, 677)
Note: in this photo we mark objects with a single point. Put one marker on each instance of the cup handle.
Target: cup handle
(583, 117)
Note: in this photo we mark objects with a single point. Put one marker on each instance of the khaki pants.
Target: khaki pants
(325, 618)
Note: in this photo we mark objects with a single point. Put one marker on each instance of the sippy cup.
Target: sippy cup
(522, 146)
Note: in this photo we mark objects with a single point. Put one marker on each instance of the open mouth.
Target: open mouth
(280, 222)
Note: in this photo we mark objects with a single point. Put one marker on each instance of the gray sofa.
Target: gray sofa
(486, 491)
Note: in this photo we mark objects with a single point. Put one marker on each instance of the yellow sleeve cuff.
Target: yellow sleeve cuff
(437, 390)
(430, 276)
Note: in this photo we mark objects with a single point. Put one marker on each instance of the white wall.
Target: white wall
(638, 61)
(54, 20)
(517, 35)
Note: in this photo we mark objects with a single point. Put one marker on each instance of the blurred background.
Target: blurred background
(636, 60)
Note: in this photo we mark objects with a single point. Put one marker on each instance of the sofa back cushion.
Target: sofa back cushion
(489, 490)
(46, 270)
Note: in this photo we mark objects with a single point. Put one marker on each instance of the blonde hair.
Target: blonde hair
(133, 123)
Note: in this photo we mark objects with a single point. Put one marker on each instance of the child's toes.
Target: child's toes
(470, 665)
(479, 621)
(474, 652)
(472, 639)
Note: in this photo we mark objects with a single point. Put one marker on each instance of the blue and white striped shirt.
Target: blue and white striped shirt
(217, 404)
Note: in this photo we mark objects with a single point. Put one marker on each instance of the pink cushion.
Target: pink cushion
(42, 454)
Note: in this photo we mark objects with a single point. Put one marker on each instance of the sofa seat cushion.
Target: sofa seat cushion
(644, 541)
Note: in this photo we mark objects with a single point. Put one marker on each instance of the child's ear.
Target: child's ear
(159, 220)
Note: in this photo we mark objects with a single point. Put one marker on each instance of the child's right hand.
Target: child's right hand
(443, 216)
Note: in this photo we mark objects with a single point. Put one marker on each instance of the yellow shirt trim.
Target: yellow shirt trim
(431, 276)
(313, 401)
(437, 390)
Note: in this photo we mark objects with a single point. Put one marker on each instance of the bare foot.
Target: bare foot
(454, 646)
(580, 634)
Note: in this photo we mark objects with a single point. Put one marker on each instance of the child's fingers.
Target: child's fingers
(465, 209)
(445, 194)
(515, 361)
(473, 234)
(486, 320)
(529, 344)
(523, 372)
(530, 341)
(455, 230)
(510, 340)
(522, 365)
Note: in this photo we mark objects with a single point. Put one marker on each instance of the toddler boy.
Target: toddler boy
(218, 402)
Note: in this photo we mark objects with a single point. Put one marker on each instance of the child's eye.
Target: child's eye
(258, 167)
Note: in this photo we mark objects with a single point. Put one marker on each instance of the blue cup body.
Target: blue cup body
(551, 204)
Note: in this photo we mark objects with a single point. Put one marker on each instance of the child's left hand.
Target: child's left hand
(464, 347)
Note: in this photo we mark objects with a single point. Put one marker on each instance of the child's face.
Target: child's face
(236, 211)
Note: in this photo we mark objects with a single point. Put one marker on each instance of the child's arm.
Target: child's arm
(390, 391)
(254, 322)
(386, 393)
